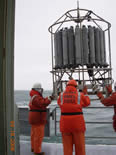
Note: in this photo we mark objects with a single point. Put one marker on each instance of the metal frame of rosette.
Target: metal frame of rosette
(81, 49)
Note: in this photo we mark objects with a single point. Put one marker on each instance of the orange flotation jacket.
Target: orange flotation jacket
(37, 108)
(71, 103)
(109, 101)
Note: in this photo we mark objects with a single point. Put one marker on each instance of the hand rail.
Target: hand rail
(87, 122)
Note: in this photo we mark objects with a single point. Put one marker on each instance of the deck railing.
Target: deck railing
(111, 135)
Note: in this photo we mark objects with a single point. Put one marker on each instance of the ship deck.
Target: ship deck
(57, 149)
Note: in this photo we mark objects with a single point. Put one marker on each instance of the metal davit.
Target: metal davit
(80, 43)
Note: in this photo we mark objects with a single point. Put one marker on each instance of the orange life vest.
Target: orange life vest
(37, 106)
(109, 101)
(71, 103)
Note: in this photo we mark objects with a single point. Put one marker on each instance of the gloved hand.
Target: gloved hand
(109, 89)
(51, 97)
(100, 95)
(114, 122)
(84, 90)
(59, 93)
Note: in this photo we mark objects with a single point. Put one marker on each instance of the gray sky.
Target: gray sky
(33, 42)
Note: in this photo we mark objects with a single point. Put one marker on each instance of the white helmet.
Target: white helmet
(37, 85)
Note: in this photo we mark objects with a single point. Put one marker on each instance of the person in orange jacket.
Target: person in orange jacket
(109, 101)
(37, 117)
(72, 124)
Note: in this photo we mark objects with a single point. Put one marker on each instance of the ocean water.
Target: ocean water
(98, 120)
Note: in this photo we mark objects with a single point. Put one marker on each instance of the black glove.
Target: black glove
(51, 97)
(114, 122)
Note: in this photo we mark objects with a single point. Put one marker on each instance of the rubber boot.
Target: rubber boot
(41, 153)
(32, 150)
